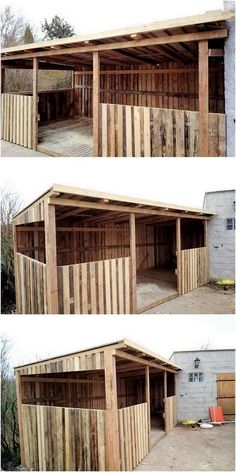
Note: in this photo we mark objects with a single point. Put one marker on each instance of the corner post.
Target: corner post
(15, 245)
(51, 257)
(147, 399)
(35, 103)
(203, 71)
(20, 419)
(112, 452)
(178, 254)
(205, 233)
(133, 276)
(96, 100)
(165, 397)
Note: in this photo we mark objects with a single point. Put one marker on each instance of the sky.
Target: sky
(170, 180)
(37, 337)
(102, 15)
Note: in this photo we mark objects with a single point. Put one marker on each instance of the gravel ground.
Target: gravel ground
(186, 448)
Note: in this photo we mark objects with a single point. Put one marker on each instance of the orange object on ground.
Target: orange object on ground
(216, 414)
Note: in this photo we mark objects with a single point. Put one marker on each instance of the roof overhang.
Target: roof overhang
(156, 42)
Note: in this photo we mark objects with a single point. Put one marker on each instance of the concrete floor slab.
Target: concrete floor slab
(186, 448)
(13, 150)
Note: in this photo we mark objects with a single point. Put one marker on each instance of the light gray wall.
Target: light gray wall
(194, 398)
(229, 67)
(220, 240)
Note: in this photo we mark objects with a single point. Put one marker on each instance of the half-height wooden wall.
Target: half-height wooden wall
(132, 131)
(63, 438)
(170, 413)
(133, 435)
(17, 119)
(194, 268)
(101, 287)
(31, 288)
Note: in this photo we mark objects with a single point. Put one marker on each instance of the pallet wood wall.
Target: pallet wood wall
(79, 442)
(133, 435)
(131, 131)
(170, 413)
(56, 104)
(17, 119)
(101, 287)
(194, 268)
(226, 394)
(31, 215)
(31, 288)
(171, 85)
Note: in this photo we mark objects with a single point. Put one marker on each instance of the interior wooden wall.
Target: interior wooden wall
(76, 247)
(163, 90)
(130, 391)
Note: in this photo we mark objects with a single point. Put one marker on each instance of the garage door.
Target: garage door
(226, 394)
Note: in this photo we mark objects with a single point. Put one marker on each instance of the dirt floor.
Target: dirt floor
(204, 300)
(186, 448)
(13, 150)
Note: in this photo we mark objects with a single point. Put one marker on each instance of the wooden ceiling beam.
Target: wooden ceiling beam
(129, 357)
(186, 37)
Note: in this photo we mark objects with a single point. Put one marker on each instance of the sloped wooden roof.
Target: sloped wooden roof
(70, 200)
(124, 345)
(155, 42)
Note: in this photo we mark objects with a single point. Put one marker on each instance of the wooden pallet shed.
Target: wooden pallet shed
(78, 251)
(94, 409)
(153, 90)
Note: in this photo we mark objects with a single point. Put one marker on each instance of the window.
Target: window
(230, 223)
(195, 377)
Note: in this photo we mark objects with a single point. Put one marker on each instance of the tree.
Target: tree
(57, 28)
(9, 423)
(10, 204)
(28, 36)
(12, 27)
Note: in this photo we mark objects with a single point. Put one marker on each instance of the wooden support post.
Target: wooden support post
(111, 426)
(164, 398)
(20, 419)
(35, 103)
(14, 235)
(73, 94)
(178, 254)
(96, 101)
(203, 71)
(51, 258)
(3, 76)
(205, 233)
(147, 399)
(133, 276)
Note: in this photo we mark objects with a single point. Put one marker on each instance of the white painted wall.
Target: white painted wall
(193, 398)
(220, 240)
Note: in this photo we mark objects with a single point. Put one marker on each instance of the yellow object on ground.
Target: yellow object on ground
(225, 282)
(189, 422)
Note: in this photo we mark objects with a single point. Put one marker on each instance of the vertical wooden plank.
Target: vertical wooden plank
(120, 138)
(147, 399)
(112, 432)
(25, 140)
(133, 270)
(35, 104)
(147, 132)
(107, 286)
(203, 66)
(20, 422)
(165, 400)
(104, 146)
(178, 255)
(51, 257)
(179, 133)
(114, 301)
(84, 288)
(137, 134)
(96, 100)
(29, 120)
(129, 137)
(100, 288)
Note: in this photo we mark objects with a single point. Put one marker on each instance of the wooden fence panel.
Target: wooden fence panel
(133, 131)
(31, 288)
(58, 438)
(101, 287)
(226, 394)
(133, 435)
(194, 268)
(170, 413)
(17, 122)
